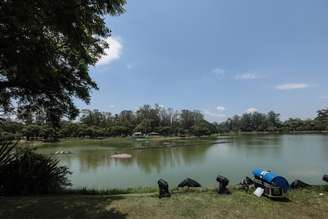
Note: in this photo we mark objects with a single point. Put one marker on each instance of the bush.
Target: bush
(24, 172)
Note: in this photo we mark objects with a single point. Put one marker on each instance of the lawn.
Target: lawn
(305, 203)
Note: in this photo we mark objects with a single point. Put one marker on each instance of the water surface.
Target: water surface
(294, 156)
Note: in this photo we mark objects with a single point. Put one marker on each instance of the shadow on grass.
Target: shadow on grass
(280, 199)
(79, 207)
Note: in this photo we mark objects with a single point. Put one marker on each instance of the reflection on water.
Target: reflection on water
(258, 146)
(294, 156)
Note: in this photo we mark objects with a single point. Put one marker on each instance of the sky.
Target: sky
(222, 57)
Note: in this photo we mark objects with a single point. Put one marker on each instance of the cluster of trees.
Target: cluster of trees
(94, 123)
(271, 122)
(148, 119)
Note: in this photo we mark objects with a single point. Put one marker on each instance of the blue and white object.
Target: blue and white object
(271, 178)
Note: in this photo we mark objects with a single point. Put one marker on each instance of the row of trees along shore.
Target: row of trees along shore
(147, 119)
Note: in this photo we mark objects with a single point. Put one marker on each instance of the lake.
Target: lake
(303, 157)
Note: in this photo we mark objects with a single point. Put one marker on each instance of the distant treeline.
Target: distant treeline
(94, 123)
(153, 119)
(271, 122)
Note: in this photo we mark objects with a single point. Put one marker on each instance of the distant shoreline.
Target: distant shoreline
(127, 142)
(155, 142)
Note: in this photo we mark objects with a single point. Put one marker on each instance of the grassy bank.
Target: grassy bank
(150, 142)
(129, 142)
(305, 203)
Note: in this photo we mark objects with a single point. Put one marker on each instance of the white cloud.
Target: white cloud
(220, 108)
(248, 76)
(208, 113)
(251, 110)
(219, 73)
(291, 86)
(113, 52)
(111, 106)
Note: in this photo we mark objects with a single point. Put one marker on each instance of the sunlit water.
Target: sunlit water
(294, 156)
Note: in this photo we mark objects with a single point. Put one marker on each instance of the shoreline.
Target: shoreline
(129, 141)
(173, 190)
(125, 142)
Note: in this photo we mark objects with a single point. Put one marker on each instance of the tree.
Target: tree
(25, 115)
(235, 123)
(148, 117)
(260, 121)
(189, 118)
(119, 131)
(11, 126)
(293, 124)
(31, 131)
(126, 117)
(69, 129)
(322, 114)
(273, 120)
(246, 123)
(166, 116)
(145, 126)
(249, 122)
(46, 48)
(322, 119)
(201, 128)
(95, 118)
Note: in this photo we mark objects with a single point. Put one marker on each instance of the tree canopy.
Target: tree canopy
(149, 119)
(270, 122)
(46, 48)
(94, 124)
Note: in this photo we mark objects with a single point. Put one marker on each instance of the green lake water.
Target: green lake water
(303, 157)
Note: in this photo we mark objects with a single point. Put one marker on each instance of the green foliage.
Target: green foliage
(271, 122)
(46, 49)
(97, 124)
(40, 131)
(24, 172)
(119, 130)
(322, 119)
(6, 156)
(146, 119)
(189, 118)
(95, 118)
(166, 130)
(165, 121)
(11, 127)
(145, 126)
(201, 128)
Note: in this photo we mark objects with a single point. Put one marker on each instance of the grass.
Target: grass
(109, 142)
(304, 203)
(85, 191)
(129, 142)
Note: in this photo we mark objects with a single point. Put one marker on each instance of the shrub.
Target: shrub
(6, 155)
(24, 172)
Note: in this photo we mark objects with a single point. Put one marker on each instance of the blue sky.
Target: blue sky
(223, 57)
